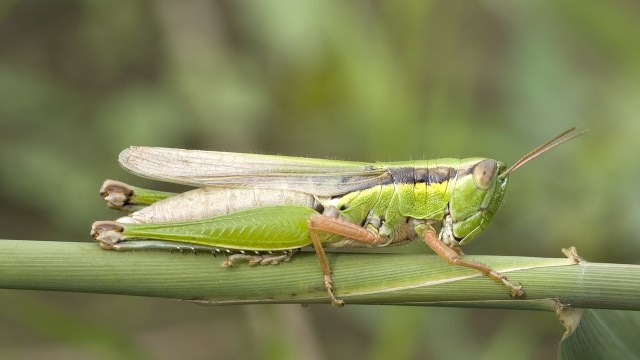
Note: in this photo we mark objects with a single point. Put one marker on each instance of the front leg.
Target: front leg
(453, 258)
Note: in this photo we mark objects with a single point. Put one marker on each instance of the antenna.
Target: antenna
(552, 143)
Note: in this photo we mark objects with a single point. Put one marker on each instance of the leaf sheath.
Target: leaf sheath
(407, 279)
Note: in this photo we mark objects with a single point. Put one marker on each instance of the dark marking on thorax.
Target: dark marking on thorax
(428, 175)
(403, 175)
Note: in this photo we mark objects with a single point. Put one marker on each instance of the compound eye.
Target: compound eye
(484, 173)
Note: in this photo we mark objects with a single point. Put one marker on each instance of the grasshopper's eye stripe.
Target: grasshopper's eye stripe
(484, 173)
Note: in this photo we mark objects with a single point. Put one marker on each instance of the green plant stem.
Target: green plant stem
(412, 279)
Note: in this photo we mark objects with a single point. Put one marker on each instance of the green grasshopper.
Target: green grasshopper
(262, 208)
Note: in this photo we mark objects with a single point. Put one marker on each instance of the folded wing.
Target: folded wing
(212, 168)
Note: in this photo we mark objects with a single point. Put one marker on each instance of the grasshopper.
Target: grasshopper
(263, 208)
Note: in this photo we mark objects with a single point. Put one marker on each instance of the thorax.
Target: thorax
(416, 192)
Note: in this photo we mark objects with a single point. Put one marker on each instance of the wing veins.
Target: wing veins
(202, 168)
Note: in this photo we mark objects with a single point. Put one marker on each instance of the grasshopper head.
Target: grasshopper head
(478, 193)
(481, 185)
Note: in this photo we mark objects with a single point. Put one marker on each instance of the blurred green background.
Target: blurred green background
(362, 80)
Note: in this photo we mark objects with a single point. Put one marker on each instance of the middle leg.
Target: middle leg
(323, 223)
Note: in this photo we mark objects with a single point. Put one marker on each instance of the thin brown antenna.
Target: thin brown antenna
(550, 144)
